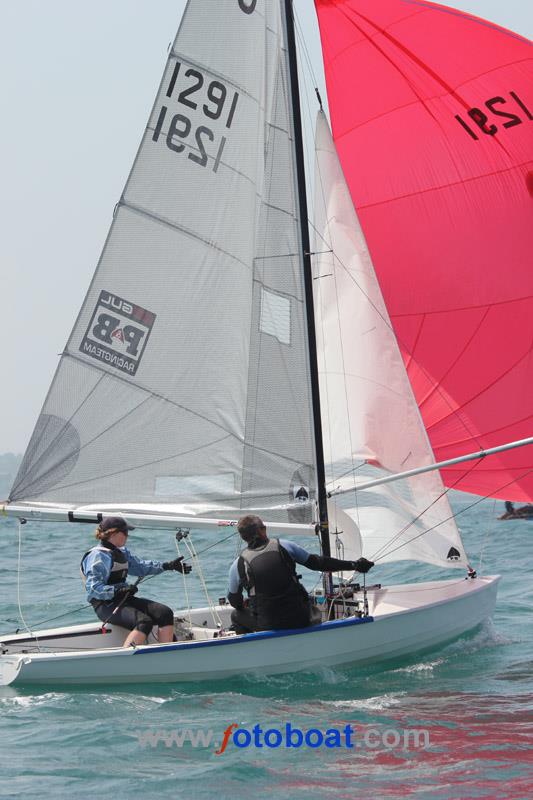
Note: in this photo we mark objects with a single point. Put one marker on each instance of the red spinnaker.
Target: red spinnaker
(432, 116)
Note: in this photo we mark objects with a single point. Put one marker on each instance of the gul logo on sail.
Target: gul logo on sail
(117, 333)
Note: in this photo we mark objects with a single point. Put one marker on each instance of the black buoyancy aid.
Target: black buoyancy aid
(119, 567)
(268, 573)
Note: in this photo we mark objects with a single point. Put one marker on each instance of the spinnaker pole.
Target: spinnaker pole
(398, 476)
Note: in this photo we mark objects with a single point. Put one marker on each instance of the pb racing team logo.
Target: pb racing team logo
(117, 333)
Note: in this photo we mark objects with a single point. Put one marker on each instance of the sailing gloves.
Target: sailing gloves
(327, 564)
(362, 565)
(178, 565)
(125, 591)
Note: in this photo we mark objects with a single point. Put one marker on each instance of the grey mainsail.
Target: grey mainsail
(185, 384)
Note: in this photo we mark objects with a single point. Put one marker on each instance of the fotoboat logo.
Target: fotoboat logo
(117, 333)
(289, 736)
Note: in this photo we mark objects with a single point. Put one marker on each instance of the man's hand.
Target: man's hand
(126, 591)
(178, 565)
(362, 565)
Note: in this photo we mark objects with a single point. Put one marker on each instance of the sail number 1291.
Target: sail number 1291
(513, 115)
(219, 105)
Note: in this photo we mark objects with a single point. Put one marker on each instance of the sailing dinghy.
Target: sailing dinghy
(220, 365)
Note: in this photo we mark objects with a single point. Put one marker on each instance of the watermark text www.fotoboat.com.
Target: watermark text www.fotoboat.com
(348, 737)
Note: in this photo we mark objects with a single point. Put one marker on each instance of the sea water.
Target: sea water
(470, 703)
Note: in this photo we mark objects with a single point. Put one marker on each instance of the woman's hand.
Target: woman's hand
(124, 591)
(178, 565)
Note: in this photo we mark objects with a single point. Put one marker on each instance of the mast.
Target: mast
(308, 281)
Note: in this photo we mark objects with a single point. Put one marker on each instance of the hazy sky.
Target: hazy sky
(78, 82)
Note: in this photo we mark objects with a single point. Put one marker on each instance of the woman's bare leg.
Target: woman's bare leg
(166, 634)
(135, 637)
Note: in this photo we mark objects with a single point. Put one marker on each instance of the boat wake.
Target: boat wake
(486, 637)
(11, 700)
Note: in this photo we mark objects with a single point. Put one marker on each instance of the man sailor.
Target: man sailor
(105, 569)
(266, 569)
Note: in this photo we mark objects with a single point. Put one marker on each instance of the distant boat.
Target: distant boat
(524, 512)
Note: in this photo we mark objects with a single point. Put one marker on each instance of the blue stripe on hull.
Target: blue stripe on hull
(249, 637)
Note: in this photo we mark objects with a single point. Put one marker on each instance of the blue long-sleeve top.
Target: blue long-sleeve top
(96, 567)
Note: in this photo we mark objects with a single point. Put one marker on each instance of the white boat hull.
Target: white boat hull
(405, 620)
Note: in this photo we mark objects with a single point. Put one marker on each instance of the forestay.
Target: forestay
(371, 423)
(184, 386)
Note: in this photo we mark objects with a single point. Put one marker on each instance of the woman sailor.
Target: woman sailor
(105, 569)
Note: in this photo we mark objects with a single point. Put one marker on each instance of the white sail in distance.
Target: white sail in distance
(371, 423)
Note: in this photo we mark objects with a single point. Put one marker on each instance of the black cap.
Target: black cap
(108, 523)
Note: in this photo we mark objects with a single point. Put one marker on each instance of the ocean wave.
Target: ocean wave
(376, 703)
(10, 699)
(424, 666)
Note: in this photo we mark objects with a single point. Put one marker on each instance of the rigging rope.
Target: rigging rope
(303, 47)
(489, 529)
(395, 538)
(58, 616)
(461, 511)
(187, 601)
(21, 523)
(187, 540)
(21, 615)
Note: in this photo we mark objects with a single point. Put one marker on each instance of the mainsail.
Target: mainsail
(184, 387)
(372, 425)
(432, 116)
